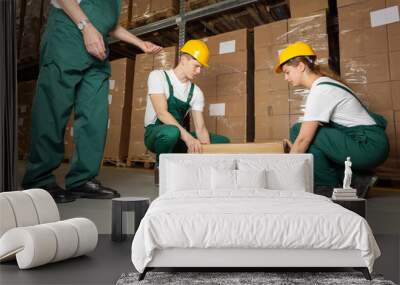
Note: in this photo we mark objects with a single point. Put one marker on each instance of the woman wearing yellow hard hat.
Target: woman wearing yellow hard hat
(336, 124)
(171, 95)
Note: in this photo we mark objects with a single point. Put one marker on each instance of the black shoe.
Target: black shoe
(59, 194)
(94, 190)
(156, 176)
(363, 182)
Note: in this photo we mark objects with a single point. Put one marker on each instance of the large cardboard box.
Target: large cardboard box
(368, 69)
(266, 57)
(303, 8)
(394, 59)
(270, 147)
(379, 96)
(356, 43)
(395, 91)
(227, 43)
(357, 16)
(235, 128)
(271, 127)
(158, 6)
(120, 102)
(309, 29)
(166, 59)
(274, 33)
(272, 103)
(394, 36)
(343, 3)
(141, 9)
(265, 80)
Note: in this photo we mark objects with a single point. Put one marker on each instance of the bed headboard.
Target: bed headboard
(297, 166)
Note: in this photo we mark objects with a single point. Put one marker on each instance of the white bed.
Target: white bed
(247, 211)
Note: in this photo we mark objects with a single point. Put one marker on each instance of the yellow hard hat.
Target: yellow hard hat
(198, 49)
(292, 51)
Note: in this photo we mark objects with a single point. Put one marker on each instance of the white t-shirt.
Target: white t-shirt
(157, 84)
(330, 103)
(55, 3)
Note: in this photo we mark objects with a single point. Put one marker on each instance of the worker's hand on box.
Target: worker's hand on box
(149, 47)
(94, 42)
(193, 145)
(287, 145)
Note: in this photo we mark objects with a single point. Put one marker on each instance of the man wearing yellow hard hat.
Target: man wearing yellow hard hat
(336, 124)
(171, 95)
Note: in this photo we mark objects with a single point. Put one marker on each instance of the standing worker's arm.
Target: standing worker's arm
(200, 127)
(305, 137)
(94, 42)
(120, 33)
(160, 106)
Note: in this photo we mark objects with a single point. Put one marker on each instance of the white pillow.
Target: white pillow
(185, 175)
(282, 174)
(223, 179)
(183, 178)
(251, 178)
(227, 179)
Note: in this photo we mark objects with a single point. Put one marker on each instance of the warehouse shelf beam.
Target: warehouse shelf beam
(185, 17)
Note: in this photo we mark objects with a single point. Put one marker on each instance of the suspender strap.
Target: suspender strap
(171, 88)
(190, 93)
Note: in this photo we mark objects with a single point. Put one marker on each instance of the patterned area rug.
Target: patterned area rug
(243, 278)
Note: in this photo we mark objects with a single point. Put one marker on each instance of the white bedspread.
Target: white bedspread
(250, 219)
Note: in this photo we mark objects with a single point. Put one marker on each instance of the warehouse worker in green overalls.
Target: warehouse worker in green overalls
(171, 95)
(335, 125)
(74, 76)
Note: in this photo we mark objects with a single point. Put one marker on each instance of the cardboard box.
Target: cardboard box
(343, 3)
(207, 84)
(274, 33)
(397, 126)
(227, 43)
(141, 9)
(394, 36)
(232, 127)
(158, 6)
(272, 147)
(166, 59)
(272, 103)
(379, 96)
(138, 132)
(357, 16)
(231, 63)
(143, 62)
(394, 59)
(267, 57)
(232, 85)
(303, 8)
(356, 43)
(265, 80)
(297, 101)
(395, 91)
(369, 69)
(308, 29)
(117, 142)
(120, 83)
(271, 127)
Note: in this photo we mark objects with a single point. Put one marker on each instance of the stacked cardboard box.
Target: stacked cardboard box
(149, 10)
(228, 86)
(271, 91)
(125, 15)
(26, 92)
(370, 60)
(303, 8)
(144, 64)
(120, 102)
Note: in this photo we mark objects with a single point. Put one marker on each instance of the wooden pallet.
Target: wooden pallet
(114, 162)
(147, 162)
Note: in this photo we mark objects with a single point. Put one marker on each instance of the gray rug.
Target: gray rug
(243, 278)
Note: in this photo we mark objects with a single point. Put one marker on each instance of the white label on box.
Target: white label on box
(23, 108)
(217, 109)
(385, 16)
(112, 84)
(109, 99)
(72, 131)
(20, 121)
(227, 47)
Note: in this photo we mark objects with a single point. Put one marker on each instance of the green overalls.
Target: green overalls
(160, 138)
(70, 79)
(367, 146)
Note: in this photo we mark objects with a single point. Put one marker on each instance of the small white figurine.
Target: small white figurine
(347, 174)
